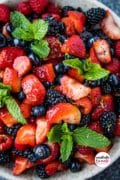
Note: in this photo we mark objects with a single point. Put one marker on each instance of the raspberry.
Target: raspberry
(24, 8)
(4, 13)
(117, 48)
(38, 5)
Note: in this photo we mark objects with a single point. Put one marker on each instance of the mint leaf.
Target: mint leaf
(66, 147)
(19, 33)
(65, 128)
(3, 86)
(86, 137)
(74, 63)
(4, 92)
(40, 28)
(14, 109)
(41, 48)
(55, 133)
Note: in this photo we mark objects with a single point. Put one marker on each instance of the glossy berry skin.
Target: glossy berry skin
(75, 166)
(34, 59)
(18, 42)
(114, 80)
(9, 28)
(72, 127)
(42, 151)
(3, 41)
(38, 111)
(60, 68)
(21, 96)
(47, 84)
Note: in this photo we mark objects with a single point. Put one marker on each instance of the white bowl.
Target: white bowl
(89, 170)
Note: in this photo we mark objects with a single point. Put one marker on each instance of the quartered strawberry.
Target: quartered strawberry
(78, 19)
(22, 65)
(74, 46)
(55, 48)
(85, 105)
(42, 129)
(69, 26)
(25, 137)
(52, 168)
(33, 89)
(93, 57)
(11, 78)
(8, 54)
(106, 104)
(6, 118)
(63, 112)
(102, 50)
(53, 9)
(95, 126)
(73, 89)
(88, 158)
(117, 128)
(25, 109)
(109, 27)
(113, 66)
(45, 73)
(95, 96)
(73, 73)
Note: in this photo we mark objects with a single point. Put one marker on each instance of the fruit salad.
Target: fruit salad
(59, 86)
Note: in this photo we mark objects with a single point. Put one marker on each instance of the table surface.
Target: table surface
(113, 172)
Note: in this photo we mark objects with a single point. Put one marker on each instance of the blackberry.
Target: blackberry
(85, 120)
(18, 152)
(86, 35)
(30, 155)
(40, 171)
(5, 157)
(65, 9)
(117, 105)
(53, 97)
(108, 122)
(95, 15)
(106, 88)
(12, 130)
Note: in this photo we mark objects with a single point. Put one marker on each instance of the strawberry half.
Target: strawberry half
(93, 57)
(69, 26)
(85, 105)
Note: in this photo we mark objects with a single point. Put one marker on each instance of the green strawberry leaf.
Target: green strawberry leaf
(86, 137)
(14, 109)
(55, 133)
(66, 147)
(41, 48)
(40, 28)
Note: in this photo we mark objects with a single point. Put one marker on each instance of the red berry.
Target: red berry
(95, 126)
(84, 149)
(52, 8)
(4, 13)
(85, 105)
(38, 5)
(5, 142)
(113, 66)
(117, 48)
(96, 96)
(24, 8)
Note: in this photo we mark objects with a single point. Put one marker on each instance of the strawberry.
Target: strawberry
(42, 129)
(109, 27)
(114, 66)
(25, 109)
(52, 168)
(73, 73)
(73, 89)
(11, 78)
(69, 26)
(95, 96)
(63, 112)
(25, 137)
(74, 46)
(4, 13)
(117, 48)
(78, 19)
(84, 149)
(38, 5)
(93, 57)
(85, 105)
(34, 90)
(6, 118)
(8, 54)
(55, 16)
(55, 47)
(45, 73)
(117, 128)
(53, 9)
(22, 65)
(102, 50)
(24, 8)
(5, 142)
(95, 126)
(106, 104)
(88, 158)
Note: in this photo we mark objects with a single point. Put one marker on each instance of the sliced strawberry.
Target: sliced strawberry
(85, 105)
(73, 73)
(34, 90)
(53, 8)
(25, 109)
(102, 50)
(22, 65)
(45, 73)
(42, 130)
(74, 46)
(69, 26)
(78, 19)
(88, 158)
(110, 27)
(25, 136)
(95, 126)
(6, 118)
(52, 168)
(113, 66)
(73, 89)
(95, 96)
(93, 57)
(117, 128)
(8, 54)
(84, 149)
(63, 112)
(11, 78)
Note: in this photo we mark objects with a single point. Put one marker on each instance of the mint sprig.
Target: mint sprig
(83, 136)
(35, 32)
(91, 71)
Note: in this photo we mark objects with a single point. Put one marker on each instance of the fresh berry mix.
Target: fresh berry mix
(59, 82)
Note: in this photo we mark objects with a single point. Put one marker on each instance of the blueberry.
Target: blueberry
(18, 42)
(72, 127)
(90, 42)
(62, 38)
(114, 80)
(3, 41)
(48, 84)
(9, 28)
(58, 79)
(75, 166)
(42, 151)
(21, 96)
(34, 59)
(60, 68)
(38, 111)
